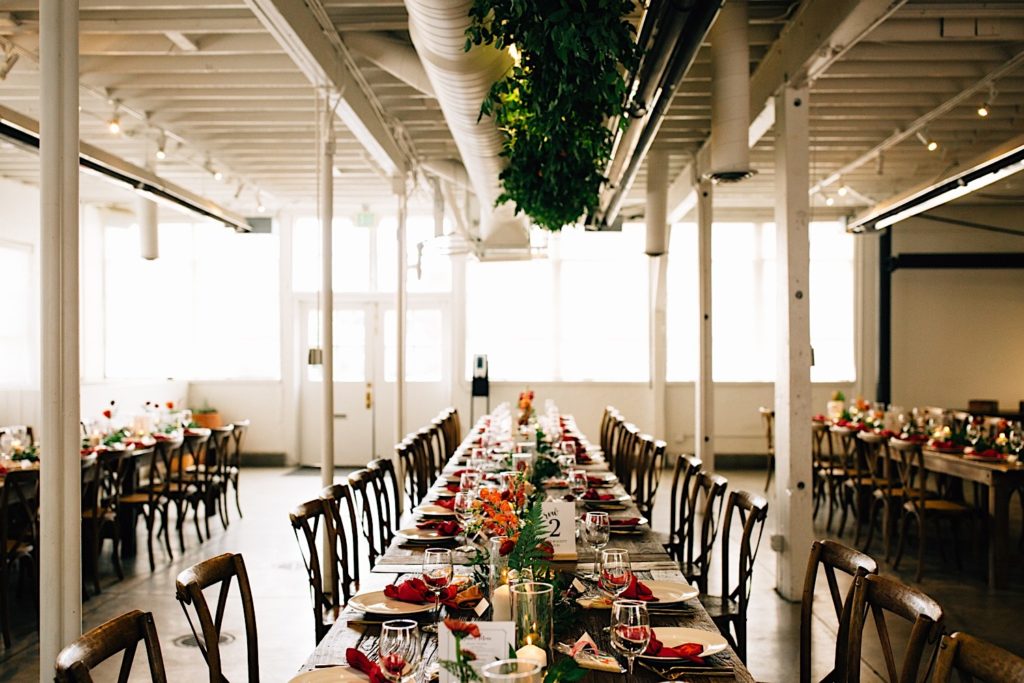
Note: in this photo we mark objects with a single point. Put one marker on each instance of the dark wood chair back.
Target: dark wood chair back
(307, 520)
(414, 489)
(708, 496)
(681, 512)
(442, 446)
(975, 660)
(364, 483)
(908, 458)
(342, 521)
(19, 512)
(218, 571)
(879, 596)
(768, 423)
(121, 634)
(238, 432)
(388, 491)
(648, 473)
(217, 454)
(830, 556)
(750, 512)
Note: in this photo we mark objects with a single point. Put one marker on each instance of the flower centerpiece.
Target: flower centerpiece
(525, 407)
(462, 666)
(837, 406)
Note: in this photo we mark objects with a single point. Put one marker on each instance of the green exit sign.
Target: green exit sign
(365, 219)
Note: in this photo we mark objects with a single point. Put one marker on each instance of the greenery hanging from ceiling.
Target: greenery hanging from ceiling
(555, 104)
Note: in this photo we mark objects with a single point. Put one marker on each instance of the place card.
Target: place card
(481, 607)
(495, 639)
(560, 518)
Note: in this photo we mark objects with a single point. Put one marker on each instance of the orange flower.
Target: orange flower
(461, 629)
(170, 405)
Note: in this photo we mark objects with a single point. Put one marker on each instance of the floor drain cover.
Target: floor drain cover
(190, 640)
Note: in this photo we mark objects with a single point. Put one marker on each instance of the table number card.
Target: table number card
(495, 639)
(560, 518)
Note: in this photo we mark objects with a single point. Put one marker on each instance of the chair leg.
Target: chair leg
(181, 507)
(844, 497)
(872, 518)
(921, 531)
(5, 617)
(150, 521)
(904, 525)
(238, 502)
(771, 471)
(222, 506)
(195, 517)
(115, 538)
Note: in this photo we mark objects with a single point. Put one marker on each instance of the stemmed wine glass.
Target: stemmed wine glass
(596, 531)
(615, 571)
(399, 648)
(577, 483)
(470, 481)
(437, 574)
(973, 431)
(463, 509)
(1015, 439)
(631, 629)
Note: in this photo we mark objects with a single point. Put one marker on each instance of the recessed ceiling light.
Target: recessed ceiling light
(983, 110)
(114, 125)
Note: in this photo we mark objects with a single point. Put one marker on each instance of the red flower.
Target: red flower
(170, 405)
(461, 629)
(108, 414)
(507, 546)
(468, 655)
(546, 548)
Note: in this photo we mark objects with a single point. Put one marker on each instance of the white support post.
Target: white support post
(793, 344)
(657, 249)
(60, 551)
(327, 295)
(704, 388)
(400, 309)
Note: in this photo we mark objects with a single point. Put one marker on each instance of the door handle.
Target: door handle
(369, 395)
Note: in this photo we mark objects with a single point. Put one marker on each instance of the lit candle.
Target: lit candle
(532, 653)
(501, 602)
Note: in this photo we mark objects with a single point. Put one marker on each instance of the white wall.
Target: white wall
(957, 334)
(260, 401)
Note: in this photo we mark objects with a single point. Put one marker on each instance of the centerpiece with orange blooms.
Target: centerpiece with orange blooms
(525, 407)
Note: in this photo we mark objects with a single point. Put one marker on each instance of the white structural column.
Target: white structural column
(60, 596)
(400, 309)
(793, 343)
(657, 250)
(327, 295)
(704, 388)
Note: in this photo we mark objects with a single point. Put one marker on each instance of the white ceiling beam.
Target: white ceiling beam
(300, 35)
(183, 42)
(194, 23)
(819, 32)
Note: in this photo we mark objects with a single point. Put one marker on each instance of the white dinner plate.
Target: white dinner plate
(416, 534)
(669, 592)
(331, 674)
(378, 603)
(434, 511)
(712, 641)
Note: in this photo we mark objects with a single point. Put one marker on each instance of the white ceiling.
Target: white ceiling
(209, 77)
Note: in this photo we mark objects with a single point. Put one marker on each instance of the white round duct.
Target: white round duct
(730, 94)
(655, 215)
(149, 236)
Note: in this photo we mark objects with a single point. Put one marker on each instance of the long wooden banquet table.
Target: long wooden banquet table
(649, 561)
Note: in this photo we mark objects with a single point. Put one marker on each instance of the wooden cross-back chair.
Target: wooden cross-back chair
(610, 439)
(819, 463)
(604, 432)
(147, 500)
(973, 659)
(371, 512)
(388, 492)
(307, 520)
(921, 505)
(627, 455)
(210, 476)
(233, 463)
(413, 487)
(878, 596)
(830, 556)
(219, 571)
(839, 456)
(768, 423)
(438, 444)
(708, 496)
(681, 502)
(729, 610)
(342, 519)
(651, 455)
(859, 482)
(122, 634)
(19, 535)
(886, 495)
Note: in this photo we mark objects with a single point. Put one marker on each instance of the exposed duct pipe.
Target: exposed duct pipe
(462, 81)
(657, 202)
(394, 56)
(149, 238)
(450, 170)
(698, 23)
(730, 94)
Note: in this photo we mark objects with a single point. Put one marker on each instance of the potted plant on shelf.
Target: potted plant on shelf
(207, 417)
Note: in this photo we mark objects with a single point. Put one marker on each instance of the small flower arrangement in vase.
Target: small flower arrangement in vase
(525, 407)
(837, 406)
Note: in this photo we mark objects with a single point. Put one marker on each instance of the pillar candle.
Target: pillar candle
(502, 604)
(532, 653)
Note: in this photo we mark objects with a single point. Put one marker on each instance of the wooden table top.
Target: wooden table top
(649, 560)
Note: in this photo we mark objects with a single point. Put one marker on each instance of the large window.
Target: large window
(581, 314)
(207, 308)
(18, 330)
(744, 306)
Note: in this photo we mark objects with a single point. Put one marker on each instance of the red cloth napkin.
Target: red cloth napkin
(596, 481)
(689, 651)
(636, 590)
(624, 521)
(448, 503)
(990, 453)
(444, 528)
(454, 488)
(591, 494)
(357, 660)
(415, 591)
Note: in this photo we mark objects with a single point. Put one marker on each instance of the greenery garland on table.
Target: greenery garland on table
(554, 105)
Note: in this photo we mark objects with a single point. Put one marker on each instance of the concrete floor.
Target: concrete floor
(285, 622)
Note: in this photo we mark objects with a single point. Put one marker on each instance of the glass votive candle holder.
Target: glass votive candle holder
(533, 609)
(512, 671)
(522, 462)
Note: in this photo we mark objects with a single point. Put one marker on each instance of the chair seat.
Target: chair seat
(172, 488)
(717, 607)
(135, 499)
(942, 507)
(105, 515)
(16, 548)
(865, 482)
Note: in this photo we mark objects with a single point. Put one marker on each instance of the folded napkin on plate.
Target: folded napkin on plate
(624, 521)
(591, 494)
(636, 590)
(443, 528)
(454, 488)
(689, 651)
(597, 481)
(466, 598)
(415, 591)
(357, 660)
(447, 503)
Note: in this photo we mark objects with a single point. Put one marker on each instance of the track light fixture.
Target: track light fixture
(161, 146)
(983, 110)
(218, 175)
(843, 190)
(114, 123)
(259, 203)
(928, 143)
(986, 107)
(829, 200)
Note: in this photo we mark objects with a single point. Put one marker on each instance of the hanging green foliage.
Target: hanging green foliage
(554, 105)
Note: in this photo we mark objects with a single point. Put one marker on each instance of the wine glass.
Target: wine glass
(512, 671)
(972, 431)
(469, 481)
(577, 483)
(615, 571)
(463, 509)
(567, 462)
(437, 574)
(399, 647)
(1015, 439)
(631, 629)
(596, 531)
(569, 448)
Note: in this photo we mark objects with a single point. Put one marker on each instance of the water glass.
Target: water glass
(577, 482)
(512, 671)
(567, 462)
(470, 481)
(596, 532)
(463, 509)
(399, 648)
(569, 448)
(437, 574)
(631, 629)
(615, 571)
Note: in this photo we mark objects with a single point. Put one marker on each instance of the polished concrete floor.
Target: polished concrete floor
(285, 623)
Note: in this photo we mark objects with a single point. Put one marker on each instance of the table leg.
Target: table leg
(999, 539)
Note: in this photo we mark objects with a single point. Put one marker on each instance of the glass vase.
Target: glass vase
(533, 608)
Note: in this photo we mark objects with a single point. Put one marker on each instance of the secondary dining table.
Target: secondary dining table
(649, 561)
